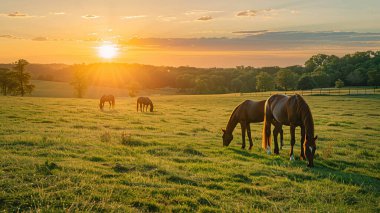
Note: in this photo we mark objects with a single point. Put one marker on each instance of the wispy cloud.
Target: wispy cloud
(265, 12)
(205, 18)
(17, 15)
(200, 12)
(266, 40)
(166, 18)
(9, 36)
(252, 32)
(40, 38)
(90, 16)
(57, 13)
(133, 17)
(247, 13)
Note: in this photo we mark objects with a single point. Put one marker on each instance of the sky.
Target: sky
(214, 33)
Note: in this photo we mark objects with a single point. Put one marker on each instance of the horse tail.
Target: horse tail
(266, 137)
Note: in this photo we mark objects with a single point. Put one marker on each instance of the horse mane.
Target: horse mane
(306, 117)
(229, 124)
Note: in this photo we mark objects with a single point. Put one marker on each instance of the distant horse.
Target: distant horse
(291, 111)
(246, 113)
(144, 102)
(105, 98)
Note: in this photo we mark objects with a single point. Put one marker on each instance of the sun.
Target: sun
(108, 50)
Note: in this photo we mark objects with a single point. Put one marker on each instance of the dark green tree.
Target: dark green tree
(339, 83)
(22, 78)
(264, 81)
(286, 79)
(374, 77)
(306, 82)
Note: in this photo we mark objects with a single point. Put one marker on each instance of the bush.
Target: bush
(339, 83)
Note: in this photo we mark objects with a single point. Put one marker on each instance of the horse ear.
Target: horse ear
(316, 137)
(223, 130)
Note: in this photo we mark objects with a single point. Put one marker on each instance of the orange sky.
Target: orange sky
(205, 34)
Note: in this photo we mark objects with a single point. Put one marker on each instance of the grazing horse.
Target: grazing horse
(291, 111)
(144, 102)
(105, 98)
(245, 113)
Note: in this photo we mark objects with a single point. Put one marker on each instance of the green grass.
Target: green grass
(66, 155)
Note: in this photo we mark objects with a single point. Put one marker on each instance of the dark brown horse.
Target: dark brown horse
(291, 111)
(107, 98)
(144, 102)
(245, 113)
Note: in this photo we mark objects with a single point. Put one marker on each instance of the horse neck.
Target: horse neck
(308, 122)
(232, 122)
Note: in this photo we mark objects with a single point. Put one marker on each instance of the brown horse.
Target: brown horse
(245, 113)
(107, 98)
(291, 111)
(144, 102)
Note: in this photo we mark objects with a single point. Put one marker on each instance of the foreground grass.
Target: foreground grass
(66, 155)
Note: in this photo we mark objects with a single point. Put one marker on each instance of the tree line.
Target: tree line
(16, 81)
(319, 71)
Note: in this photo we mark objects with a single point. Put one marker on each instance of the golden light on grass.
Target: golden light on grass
(108, 50)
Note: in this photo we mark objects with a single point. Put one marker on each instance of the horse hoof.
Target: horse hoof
(291, 158)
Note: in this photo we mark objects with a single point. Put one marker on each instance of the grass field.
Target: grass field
(66, 155)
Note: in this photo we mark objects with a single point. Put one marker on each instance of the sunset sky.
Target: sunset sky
(222, 33)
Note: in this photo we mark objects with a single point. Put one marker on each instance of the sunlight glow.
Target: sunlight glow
(108, 50)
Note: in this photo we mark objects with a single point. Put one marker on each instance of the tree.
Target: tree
(8, 82)
(356, 77)
(315, 61)
(22, 78)
(339, 83)
(80, 81)
(374, 77)
(264, 81)
(236, 85)
(306, 82)
(321, 79)
(286, 79)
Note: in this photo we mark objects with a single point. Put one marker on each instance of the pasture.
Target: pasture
(61, 154)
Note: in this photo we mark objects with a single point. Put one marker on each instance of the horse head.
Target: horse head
(227, 138)
(309, 149)
(151, 107)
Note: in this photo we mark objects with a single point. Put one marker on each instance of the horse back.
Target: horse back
(277, 107)
(250, 111)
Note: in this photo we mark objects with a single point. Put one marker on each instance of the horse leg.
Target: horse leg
(243, 128)
(249, 136)
(292, 140)
(281, 137)
(302, 156)
(275, 135)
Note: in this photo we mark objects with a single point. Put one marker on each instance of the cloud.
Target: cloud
(9, 36)
(166, 18)
(133, 17)
(90, 16)
(253, 32)
(205, 18)
(39, 39)
(265, 12)
(57, 13)
(200, 12)
(266, 40)
(17, 15)
(247, 13)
